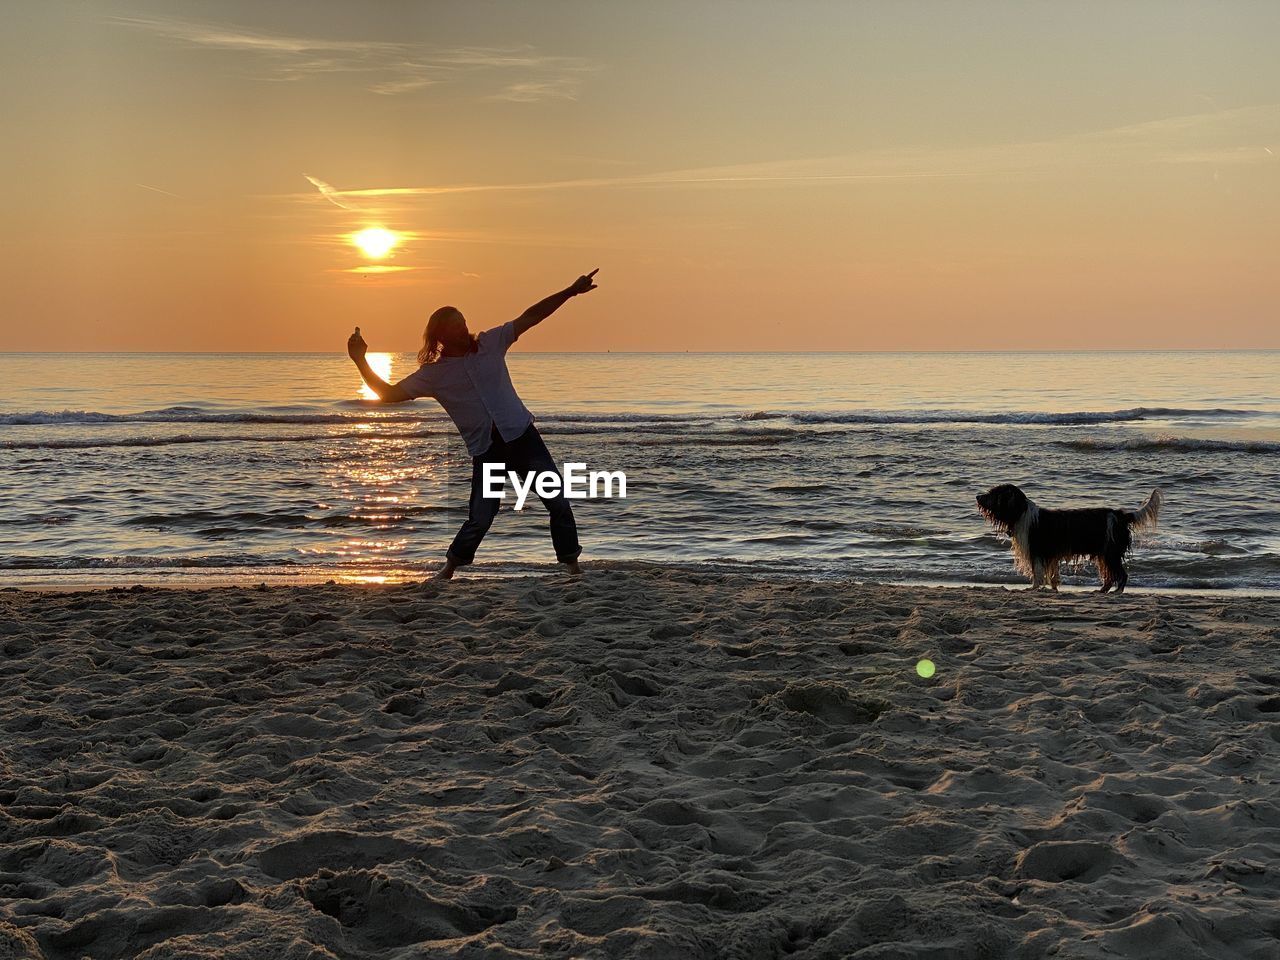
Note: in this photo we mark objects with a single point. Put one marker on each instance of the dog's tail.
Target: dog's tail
(1147, 515)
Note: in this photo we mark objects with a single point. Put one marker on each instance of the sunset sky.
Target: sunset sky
(748, 176)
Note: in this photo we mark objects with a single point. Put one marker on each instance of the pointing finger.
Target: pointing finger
(593, 273)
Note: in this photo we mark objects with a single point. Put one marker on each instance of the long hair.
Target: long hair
(430, 351)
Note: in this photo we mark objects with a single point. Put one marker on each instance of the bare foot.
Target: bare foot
(446, 572)
(571, 567)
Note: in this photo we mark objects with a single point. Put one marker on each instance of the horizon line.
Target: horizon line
(603, 353)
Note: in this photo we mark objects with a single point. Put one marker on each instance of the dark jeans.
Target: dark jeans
(526, 453)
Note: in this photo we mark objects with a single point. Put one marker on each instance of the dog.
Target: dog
(1043, 539)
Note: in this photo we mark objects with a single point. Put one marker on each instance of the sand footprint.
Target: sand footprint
(1057, 861)
(380, 911)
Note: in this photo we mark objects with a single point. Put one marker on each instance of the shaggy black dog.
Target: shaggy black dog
(1043, 538)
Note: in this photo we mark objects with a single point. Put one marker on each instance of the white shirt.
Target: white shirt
(476, 390)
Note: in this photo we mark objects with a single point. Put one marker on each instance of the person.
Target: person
(468, 375)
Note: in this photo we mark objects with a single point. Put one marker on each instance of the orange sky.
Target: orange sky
(748, 176)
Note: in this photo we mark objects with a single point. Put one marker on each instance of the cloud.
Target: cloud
(147, 186)
(705, 176)
(389, 68)
(531, 91)
(1236, 136)
(233, 38)
(497, 57)
(406, 84)
(327, 192)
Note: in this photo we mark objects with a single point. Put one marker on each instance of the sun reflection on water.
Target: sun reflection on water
(380, 363)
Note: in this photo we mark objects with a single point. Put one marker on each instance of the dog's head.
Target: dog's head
(1003, 506)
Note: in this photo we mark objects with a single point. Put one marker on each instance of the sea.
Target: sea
(119, 469)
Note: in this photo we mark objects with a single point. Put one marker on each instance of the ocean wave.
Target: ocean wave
(900, 531)
(1202, 574)
(1172, 444)
(1029, 417)
(197, 415)
(359, 413)
(288, 519)
(88, 443)
(1211, 546)
(737, 438)
(375, 413)
(140, 562)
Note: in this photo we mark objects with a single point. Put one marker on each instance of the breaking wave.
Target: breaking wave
(375, 413)
(1171, 444)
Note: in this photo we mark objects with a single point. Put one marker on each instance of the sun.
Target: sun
(380, 363)
(375, 242)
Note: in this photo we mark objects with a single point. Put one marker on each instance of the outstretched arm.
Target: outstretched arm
(387, 392)
(545, 308)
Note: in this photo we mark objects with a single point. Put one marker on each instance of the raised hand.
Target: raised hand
(549, 305)
(584, 283)
(356, 346)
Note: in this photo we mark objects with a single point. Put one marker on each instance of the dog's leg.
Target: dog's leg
(1055, 575)
(1104, 574)
(1037, 574)
(1121, 574)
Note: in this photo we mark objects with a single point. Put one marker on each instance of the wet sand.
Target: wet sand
(640, 764)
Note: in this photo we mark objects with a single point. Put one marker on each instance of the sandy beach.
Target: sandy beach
(640, 764)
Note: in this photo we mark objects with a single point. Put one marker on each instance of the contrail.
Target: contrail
(1156, 141)
(327, 192)
(158, 190)
(639, 181)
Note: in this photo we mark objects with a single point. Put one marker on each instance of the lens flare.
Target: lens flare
(375, 242)
(380, 363)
